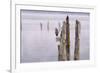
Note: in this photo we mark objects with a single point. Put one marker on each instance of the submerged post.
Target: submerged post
(48, 26)
(41, 26)
(67, 38)
(77, 40)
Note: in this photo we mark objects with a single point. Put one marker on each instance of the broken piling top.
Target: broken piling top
(67, 19)
(78, 25)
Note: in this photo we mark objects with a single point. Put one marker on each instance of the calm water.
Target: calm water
(40, 45)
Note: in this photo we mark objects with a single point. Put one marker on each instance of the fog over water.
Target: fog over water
(38, 45)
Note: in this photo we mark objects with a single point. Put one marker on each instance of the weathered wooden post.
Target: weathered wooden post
(48, 26)
(64, 46)
(61, 39)
(59, 54)
(58, 43)
(41, 26)
(59, 26)
(63, 42)
(67, 38)
(77, 40)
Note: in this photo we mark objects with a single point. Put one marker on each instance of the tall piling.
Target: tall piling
(67, 38)
(64, 47)
(77, 41)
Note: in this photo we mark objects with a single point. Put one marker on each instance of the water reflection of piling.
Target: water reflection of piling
(77, 40)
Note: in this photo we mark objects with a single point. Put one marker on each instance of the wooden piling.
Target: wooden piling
(67, 38)
(77, 40)
(41, 26)
(64, 49)
(63, 40)
(48, 26)
(59, 26)
(59, 53)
